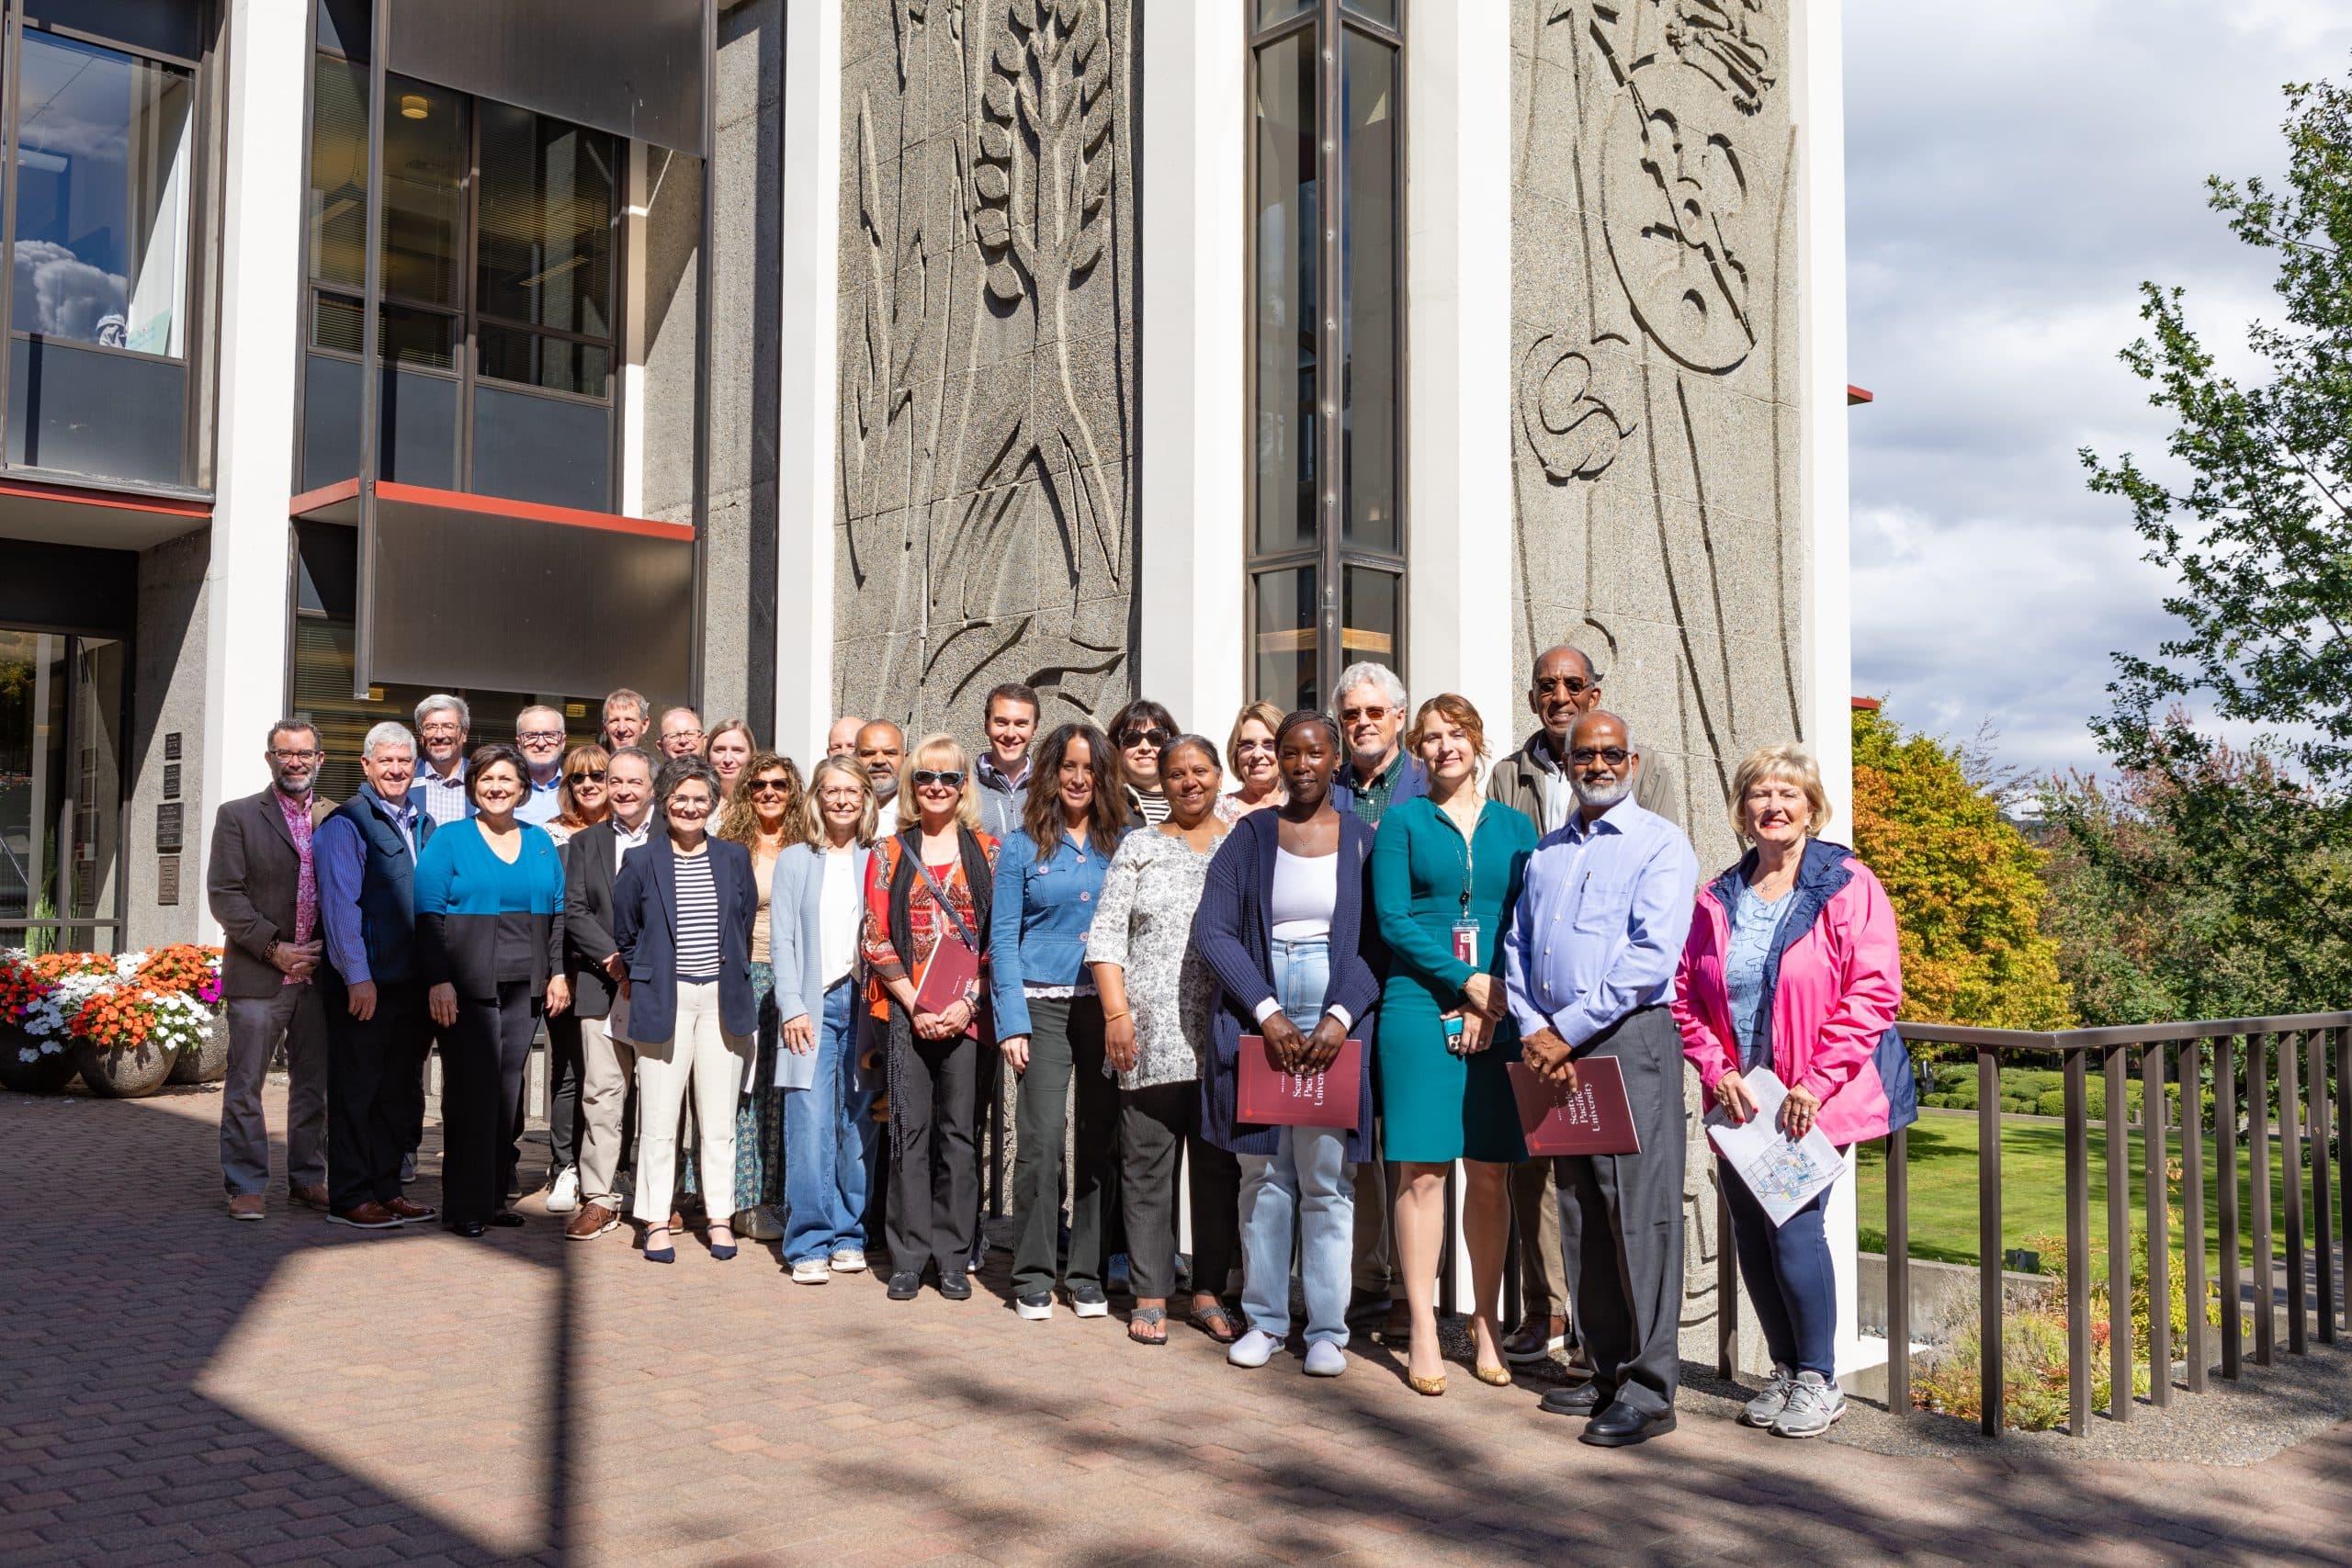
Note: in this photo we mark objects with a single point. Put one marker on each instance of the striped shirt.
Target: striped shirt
(697, 919)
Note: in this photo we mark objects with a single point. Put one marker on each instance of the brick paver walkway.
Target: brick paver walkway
(173, 1386)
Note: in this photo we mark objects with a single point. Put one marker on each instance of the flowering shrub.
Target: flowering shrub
(165, 997)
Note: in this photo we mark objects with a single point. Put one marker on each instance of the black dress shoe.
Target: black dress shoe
(904, 1286)
(469, 1228)
(955, 1287)
(506, 1219)
(1620, 1426)
(1573, 1399)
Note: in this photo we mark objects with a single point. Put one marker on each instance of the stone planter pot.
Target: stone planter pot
(207, 1063)
(52, 1072)
(129, 1072)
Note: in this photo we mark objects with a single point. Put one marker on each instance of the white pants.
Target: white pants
(604, 1067)
(715, 1062)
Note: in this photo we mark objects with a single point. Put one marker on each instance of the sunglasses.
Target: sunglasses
(1611, 755)
(1350, 716)
(770, 786)
(587, 775)
(1155, 737)
(952, 778)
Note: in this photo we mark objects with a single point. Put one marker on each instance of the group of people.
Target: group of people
(795, 1000)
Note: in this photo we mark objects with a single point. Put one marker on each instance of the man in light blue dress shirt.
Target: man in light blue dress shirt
(1590, 963)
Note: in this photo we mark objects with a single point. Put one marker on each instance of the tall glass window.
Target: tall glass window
(497, 331)
(1327, 535)
(100, 196)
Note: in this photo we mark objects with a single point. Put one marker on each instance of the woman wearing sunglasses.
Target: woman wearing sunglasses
(580, 803)
(1139, 730)
(762, 813)
(927, 886)
(579, 800)
(1050, 1021)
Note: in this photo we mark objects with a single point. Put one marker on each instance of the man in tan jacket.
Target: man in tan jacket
(1535, 779)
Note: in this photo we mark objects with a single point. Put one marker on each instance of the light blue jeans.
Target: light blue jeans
(1308, 1178)
(825, 1175)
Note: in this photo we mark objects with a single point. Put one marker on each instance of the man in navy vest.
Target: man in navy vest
(378, 1029)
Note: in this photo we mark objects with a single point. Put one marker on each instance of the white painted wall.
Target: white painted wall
(1457, 315)
(261, 294)
(1195, 389)
(807, 415)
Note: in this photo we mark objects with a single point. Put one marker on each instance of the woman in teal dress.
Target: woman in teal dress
(1445, 876)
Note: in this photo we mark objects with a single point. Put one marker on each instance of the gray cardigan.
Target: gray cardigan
(796, 948)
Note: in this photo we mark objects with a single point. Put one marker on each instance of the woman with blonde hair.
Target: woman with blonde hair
(928, 886)
(820, 904)
(1791, 965)
(1249, 752)
(729, 747)
(580, 799)
(762, 813)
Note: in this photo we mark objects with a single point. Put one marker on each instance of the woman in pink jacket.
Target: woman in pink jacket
(1791, 964)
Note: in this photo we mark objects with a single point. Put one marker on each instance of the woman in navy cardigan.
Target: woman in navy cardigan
(682, 917)
(1286, 923)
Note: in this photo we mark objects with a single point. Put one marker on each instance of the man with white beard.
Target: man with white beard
(1590, 963)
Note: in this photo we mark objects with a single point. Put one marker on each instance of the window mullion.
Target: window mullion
(1329, 369)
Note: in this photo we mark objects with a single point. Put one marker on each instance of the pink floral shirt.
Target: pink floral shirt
(306, 894)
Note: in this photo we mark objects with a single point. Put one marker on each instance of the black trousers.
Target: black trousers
(374, 1088)
(1156, 1124)
(483, 1059)
(935, 1153)
(1065, 1046)
(1622, 1221)
(564, 1068)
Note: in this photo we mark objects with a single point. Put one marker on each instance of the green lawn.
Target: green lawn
(1942, 1167)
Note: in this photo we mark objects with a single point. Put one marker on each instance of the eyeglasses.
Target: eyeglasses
(1613, 755)
(952, 778)
(770, 786)
(586, 775)
(540, 737)
(1575, 685)
(1152, 738)
(1352, 715)
(681, 735)
(1242, 746)
(298, 756)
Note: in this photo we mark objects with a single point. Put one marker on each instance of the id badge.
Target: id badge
(1466, 940)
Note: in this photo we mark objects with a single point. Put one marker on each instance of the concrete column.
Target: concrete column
(1457, 322)
(1196, 344)
(261, 298)
(635, 209)
(809, 309)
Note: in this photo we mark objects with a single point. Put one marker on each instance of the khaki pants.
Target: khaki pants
(715, 1060)
(1374, 1204)
(605, 1064)
(1535, 1215)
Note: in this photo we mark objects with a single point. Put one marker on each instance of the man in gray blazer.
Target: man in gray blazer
(262, 886)
(593, 965)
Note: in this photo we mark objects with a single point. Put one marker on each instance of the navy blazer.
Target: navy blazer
(645, 927)
(1233, 933)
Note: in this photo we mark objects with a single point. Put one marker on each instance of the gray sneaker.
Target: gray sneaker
(1814, 1405)
(1766, 1407)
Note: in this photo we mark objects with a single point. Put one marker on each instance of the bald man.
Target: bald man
(840, 740)
(1535, 779)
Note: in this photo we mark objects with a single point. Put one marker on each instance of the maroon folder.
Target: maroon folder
(1272, 1095)
(1593, 1118)
(952, 974)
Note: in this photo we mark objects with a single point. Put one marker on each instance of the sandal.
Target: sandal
(1215, 1322)
(1148, 1318)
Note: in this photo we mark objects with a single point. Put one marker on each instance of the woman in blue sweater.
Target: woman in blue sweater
(1048, 1019)
(1286, 924)
(490, 946)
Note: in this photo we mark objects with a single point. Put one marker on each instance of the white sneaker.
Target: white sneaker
(1814, 1405)
(1254, 1348)
(1766, 1407)
(563, 1192)
(810, 1271)
(848, 1260)
(1324, 1360)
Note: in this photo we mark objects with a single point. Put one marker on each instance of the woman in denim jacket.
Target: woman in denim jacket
(1048, 1019)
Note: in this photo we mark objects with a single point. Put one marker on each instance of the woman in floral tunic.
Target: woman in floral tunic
(1157, 998)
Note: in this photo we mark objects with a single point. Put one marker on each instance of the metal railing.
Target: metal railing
(2286, 1057)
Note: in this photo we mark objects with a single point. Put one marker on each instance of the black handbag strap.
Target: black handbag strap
(911, 838)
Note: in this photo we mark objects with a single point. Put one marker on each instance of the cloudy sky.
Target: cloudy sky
(2014, 169)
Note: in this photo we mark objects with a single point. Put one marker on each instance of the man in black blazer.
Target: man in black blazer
(262, 885)
(591, 964)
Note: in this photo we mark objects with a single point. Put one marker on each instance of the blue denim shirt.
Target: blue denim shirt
(1045, 942)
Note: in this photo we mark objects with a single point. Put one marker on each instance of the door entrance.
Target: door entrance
(61, 702)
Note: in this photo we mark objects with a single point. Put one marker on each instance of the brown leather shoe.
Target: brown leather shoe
(410, 1213)
(591, 1221)
(314, 1196)
(369, 1216)
(247, 1206)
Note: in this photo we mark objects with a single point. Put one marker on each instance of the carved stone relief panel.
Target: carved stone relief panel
(986, 377)
(1654, 320)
